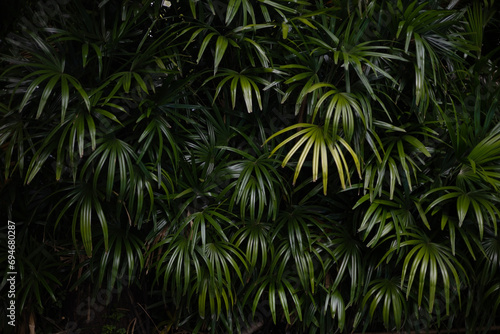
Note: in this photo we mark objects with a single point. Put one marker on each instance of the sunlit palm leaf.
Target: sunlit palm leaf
(315, 137)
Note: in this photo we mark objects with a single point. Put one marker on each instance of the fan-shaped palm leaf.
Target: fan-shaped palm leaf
(433, 260)
(315, 137)
(385, 294)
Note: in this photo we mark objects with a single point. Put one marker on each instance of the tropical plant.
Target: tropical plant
(244, 166)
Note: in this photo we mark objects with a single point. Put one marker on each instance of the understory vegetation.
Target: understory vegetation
(251, 166)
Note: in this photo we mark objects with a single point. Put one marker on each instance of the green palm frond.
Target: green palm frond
(343, 106)
(177, 265)
(488, 150)
(75, 135)
(49, 72)
(491, 263)
(112, 153)
(345, 262)
(404, 157)
(483, 205)
(257, 185)
(13, 134)
(221, 260)
(155, 129)
(256, 236)
(303, 227)
(123, 256)
(336, 304)
(315, 137)
(493, 292)
(385, 294)
(247, 83)
(385, 217)
(280, 290)
(434, 260)
(85, 202)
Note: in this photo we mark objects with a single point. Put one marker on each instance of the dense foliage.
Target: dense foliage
(252, 165)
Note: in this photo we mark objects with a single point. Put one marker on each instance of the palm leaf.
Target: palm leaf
(314, 136)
